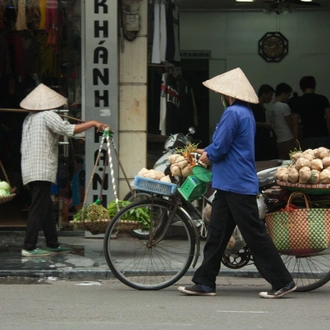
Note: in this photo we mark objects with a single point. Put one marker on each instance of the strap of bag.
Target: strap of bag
(297, 193)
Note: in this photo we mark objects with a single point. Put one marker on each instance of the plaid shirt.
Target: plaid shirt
(39, 147)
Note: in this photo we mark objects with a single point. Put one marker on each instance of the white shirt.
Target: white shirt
(39, 147)
(276, 117)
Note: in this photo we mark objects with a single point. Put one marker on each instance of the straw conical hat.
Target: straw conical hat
(235, 84)
(42, 98)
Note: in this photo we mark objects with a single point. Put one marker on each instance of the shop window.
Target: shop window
(40, 41)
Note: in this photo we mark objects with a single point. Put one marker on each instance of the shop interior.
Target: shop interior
(38, 43)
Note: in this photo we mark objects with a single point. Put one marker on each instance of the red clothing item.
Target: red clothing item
(51, 14)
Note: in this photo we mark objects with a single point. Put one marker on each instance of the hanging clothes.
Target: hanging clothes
(21, 16)
(51, 14)
(33, 14)
(159, 35)
(2, 14)
(163, 104)
(42, 6)
(170, 42)
(176, 27)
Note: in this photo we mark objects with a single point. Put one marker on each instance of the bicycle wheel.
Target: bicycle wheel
(156, 261)
(309, 272)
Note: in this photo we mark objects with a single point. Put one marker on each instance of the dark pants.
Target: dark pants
(230, 209)
(40, 216)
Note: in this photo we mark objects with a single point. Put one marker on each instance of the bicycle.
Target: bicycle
(173, 243)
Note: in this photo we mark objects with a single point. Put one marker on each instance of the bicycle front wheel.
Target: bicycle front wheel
(154, 261)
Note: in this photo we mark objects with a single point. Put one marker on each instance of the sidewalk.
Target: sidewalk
(86, 262)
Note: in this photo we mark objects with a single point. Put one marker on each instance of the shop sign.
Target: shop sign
(100, 86)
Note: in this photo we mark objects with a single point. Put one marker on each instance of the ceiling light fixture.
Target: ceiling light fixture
(244, 0)
(306, 0)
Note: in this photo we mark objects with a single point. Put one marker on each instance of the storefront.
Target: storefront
(55, 42)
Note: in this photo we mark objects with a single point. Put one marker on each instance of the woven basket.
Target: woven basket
(4, 199)
(95, 227)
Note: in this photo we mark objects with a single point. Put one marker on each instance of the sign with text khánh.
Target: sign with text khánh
(100, 87)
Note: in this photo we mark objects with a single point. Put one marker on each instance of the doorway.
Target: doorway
(195, 71)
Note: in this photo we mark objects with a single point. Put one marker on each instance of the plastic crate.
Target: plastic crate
(154, 186)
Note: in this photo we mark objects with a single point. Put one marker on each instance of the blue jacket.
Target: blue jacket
(232, 151)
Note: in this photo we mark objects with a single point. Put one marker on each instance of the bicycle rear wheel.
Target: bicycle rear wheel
(157, 260)
(311, 271)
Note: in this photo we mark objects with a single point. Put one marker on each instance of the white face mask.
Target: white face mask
(223, 101)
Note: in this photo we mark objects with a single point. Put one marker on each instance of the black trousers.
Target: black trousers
(40, 216)
(230, 209)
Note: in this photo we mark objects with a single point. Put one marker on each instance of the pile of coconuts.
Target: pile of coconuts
(311, 166)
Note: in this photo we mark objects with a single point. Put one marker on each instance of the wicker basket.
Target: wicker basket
(308, 188)
(95, 227)
(4, 199)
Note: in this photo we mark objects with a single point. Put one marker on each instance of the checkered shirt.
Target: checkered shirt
(39, 147)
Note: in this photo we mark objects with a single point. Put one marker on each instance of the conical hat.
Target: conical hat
(233, 83)
(42, 98)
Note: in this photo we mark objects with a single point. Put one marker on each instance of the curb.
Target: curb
(91, 274)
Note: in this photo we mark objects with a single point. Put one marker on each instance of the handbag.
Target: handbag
(300, 231)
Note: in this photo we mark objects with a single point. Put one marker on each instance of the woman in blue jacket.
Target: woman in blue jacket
(235, 180)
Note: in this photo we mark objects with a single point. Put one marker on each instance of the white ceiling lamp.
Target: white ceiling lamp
(306, 0)
(244, 0)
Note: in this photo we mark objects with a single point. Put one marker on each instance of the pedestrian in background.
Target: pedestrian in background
(39, 148)
(279, 116)
(265, 139)
(314, 112)
(236, 183)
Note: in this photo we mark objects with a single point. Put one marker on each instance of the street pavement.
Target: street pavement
(86, 262)
(109, 304)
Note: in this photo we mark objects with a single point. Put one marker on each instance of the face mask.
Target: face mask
(223, 101)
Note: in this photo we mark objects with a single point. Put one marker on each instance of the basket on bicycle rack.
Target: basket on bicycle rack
(154, 186)
(196, 185)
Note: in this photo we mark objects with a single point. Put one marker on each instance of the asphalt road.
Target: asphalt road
(108, 304)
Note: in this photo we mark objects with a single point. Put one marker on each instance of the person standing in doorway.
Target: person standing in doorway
(314, 112)
(236, 183)
(39, 149)
(279, 116)
(265, 140)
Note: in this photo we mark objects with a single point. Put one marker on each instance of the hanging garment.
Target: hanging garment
(156, 39)
(170, 44)
(176, 25)
(163, 34)
(172, 105)
(32, 14)
(42, 6)
(159, 39)
(51, 14)
(163, 104)
(2, 14)
(21, 16)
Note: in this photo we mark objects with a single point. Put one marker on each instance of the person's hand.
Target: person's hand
(200, 151)
(204, 159)
(100, 127)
